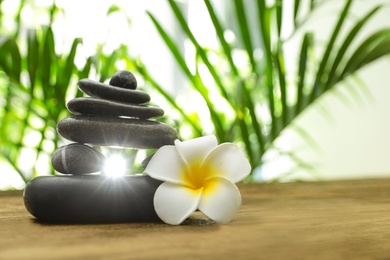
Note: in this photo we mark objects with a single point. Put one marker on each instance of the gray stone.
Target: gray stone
(101, 90)
(146, 161)
(94, 106)
(123, 79)
(111, 131)
(77, 159)
(91, 199)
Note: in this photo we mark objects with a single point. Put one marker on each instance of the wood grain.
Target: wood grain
(326, 220)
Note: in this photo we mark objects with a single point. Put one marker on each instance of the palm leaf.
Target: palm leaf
(145, 74)
(194, 79)
(65, 72)
(268, 85)
(374, 47)
(346, 43)
(320, 77)
(264, 20)
(10, 59)
(307, 44)
(281, 72)
(244, 29)
(202, 53)
(241, 87)
(220, 33)
(32, 56)
(297, 4)
(279, 14)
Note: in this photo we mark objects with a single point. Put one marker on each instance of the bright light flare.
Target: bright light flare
(115, 166)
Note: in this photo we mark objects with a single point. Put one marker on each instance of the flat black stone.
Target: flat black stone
(101, 90)
(94, 106)
(77, 159)
(123, 79)
(91, 199)
(112, 131)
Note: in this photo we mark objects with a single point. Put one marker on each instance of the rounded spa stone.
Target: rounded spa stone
(146, 161)
(94, 106)
(101, 90)
(77, 159)
(115, 131)
(91, 199)
(123, 79)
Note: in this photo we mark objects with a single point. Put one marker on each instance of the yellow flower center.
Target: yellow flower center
(197, 175)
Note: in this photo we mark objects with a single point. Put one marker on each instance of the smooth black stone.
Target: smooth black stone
(123, 79)
(146, 161)
(77, 159)
(112, 131)
(94, 106)
(91, 199)
(101, 90)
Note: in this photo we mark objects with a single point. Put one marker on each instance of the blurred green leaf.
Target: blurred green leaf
(265, 101)
(279, 14)
(32, 56)
(296, 9)
(10, 59)
(141, 68)
(200, 51)
(346, 43)
(65, 72)
(321, 76)
(307, 44)
(194, 79)
(241, 17)
(113, 9)
(220, 33)
(375, 46)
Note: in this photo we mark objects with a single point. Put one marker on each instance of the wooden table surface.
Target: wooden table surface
(326, 220)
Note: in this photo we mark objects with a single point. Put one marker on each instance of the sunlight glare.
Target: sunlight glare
(115, 166)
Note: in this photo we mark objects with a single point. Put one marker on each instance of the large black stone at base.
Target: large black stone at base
(91, 199)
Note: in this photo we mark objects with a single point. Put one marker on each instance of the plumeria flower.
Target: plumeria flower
(198, 174)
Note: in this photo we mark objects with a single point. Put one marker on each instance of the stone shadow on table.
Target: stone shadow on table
(196, 219)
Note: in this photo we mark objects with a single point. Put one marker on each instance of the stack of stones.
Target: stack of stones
(114, 115)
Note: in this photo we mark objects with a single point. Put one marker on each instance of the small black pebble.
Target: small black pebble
(124, 79)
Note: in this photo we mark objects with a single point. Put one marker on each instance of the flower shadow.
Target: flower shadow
(199, 219)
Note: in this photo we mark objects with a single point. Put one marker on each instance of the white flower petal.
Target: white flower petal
(227, 161)
(196, 150)
(167, 165)
(174, 203)
(221, 199)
